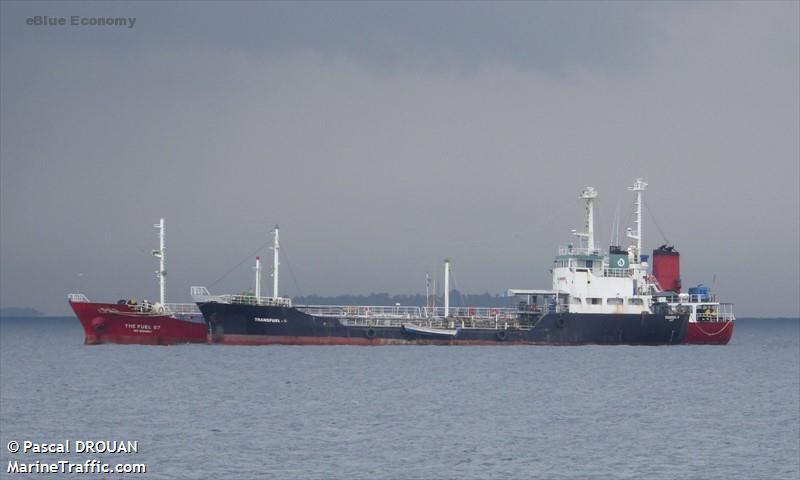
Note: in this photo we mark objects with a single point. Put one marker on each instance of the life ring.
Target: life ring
(560, 322)
(502, 335)
(370, 333)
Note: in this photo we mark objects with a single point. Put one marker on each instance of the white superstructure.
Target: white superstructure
(588, 280)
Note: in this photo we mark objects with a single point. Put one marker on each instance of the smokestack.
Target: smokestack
(667, 268)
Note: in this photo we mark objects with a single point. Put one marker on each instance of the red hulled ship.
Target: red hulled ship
(138, 323)
(131, 322)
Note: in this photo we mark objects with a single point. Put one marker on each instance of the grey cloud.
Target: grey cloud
(552, 37)
(376, 174)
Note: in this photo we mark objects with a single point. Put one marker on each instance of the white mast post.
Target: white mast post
(638, 187)
(275, 262)
(258, 278)
(446, 287)
(161, 273)
(589, 194)
(427, 294)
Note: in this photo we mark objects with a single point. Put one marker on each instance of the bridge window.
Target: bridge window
(635, 301)
(614, 301)
(594, 301)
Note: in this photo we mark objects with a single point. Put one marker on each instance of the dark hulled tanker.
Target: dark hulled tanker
(604, 298)
(235, 321)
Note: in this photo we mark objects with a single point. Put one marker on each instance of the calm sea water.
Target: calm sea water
(202, 411)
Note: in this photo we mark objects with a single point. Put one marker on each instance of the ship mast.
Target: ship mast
(258, 278)
(275, 262)
(589, 194)
(638, 187)
(427, 292)
(446, 287)
(161, 273)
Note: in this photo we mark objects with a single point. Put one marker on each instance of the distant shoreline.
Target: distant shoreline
(20, 312)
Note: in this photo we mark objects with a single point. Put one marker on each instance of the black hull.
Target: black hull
(262, 324)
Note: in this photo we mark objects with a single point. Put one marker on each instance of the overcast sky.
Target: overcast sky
(384, 137)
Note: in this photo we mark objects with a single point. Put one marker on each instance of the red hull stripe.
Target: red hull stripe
(139, 340)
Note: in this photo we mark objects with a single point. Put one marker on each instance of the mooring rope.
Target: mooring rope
(728, 322)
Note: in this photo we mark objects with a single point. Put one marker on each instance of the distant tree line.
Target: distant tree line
(457, 299)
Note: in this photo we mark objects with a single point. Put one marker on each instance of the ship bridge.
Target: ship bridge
(594, 281)
(578, 257)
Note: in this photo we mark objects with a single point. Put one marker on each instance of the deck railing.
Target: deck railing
(440, 322)
(579, 251)
(253, 300)
(362, 311)
(201, 294)
(182, 308)
(686, 298)
(722, 312)
(407, 312)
